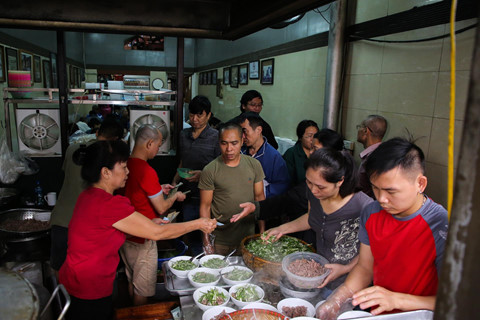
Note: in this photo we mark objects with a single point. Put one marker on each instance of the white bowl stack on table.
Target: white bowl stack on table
(181, 273)
(210, 291)
(290, 303)
(195, 274)
(245, 288)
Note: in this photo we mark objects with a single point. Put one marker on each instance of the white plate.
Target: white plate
(260, 305)
(215, 311)
(354, 314)
(295, 302)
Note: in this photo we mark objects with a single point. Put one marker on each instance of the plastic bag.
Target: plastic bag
(12, 165)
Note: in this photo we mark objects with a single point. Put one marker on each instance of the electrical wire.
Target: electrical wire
(322, 12)
(416, 40)
(451, 131)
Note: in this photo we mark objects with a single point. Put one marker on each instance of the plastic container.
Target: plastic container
(242, 304)
(304, 282)
(203, 284)
(200, 291)
(290, 291)
(180, 248)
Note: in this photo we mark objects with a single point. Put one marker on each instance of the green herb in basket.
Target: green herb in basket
(212, 297)
(183, 265)
(275, 251)
(238, 274)
(204, 277)
(215, 263)
(246, 293)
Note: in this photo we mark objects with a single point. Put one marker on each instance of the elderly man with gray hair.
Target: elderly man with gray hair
(370, 133)
(146, 195)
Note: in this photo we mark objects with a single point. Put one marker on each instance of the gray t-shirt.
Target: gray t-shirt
(231, 186)
(337, 232)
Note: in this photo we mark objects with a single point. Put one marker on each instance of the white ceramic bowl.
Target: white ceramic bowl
(180, 273)
(192, 273)
(295, 302)
(319, 303)
(304, 318)
(354, 314)
(226, 270)
(215, 311)
(260, 305)
(242, 304)
(212, 256)
(200, 291)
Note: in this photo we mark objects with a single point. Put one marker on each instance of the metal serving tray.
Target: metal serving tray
(182, 287)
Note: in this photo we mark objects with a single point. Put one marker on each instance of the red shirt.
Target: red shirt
(93, 244)
(407, 251)
(142, 184)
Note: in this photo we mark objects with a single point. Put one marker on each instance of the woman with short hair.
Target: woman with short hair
(99, 226)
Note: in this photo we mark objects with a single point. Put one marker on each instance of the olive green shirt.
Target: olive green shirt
(73, 185)
(231, 186)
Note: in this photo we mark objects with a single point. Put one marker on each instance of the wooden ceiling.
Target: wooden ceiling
(217, 19)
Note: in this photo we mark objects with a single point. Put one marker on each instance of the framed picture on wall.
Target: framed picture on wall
(53, 65)
(209, 77)
(2, 64)
(214, 77)
(26, 62)
(37, 69)
(243, 74)
(226, 75)
(267, 71)
(12, 59)
(234, 76)
(47, 74)
(253, 69)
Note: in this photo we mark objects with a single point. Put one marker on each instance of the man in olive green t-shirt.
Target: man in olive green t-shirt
(229, 186)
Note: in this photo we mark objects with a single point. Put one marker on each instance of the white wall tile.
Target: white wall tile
(438, 148)
(364, 57)
(362, 91)
(442, 101)
(408, 93)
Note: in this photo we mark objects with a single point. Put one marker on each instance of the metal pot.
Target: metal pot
(27, 245)
(24, 214)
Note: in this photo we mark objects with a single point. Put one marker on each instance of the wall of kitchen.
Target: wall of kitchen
(406, 83)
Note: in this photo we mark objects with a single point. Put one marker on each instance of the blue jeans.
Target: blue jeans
(191, 211)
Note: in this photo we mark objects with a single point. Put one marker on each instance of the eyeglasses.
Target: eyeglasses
(362, 126)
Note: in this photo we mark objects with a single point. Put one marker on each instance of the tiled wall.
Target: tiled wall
(297, 92)
(406, 83)
(409, 84)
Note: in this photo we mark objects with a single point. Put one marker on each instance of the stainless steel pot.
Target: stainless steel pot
(24, 214)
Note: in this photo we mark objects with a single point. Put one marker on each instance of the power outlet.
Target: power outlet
(348, 145)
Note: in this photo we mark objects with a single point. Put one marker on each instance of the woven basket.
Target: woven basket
(271, 269)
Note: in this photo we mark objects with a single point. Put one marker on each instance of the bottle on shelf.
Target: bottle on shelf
(39, 201)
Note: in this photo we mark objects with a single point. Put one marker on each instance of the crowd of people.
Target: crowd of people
(365, 219)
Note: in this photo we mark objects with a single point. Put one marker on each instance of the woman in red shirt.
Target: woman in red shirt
(97, 230)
